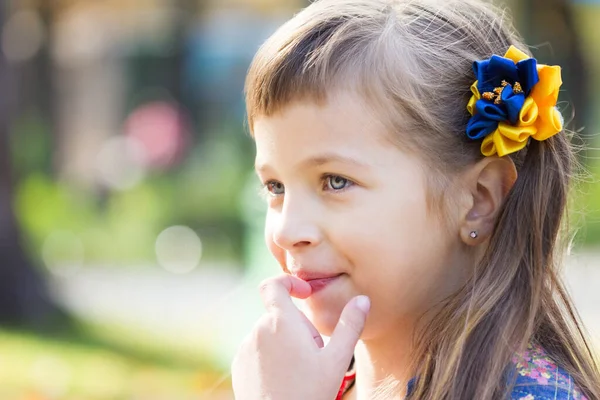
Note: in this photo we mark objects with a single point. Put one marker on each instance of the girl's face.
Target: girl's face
(345, 204)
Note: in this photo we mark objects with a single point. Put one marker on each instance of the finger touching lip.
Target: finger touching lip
(318, 284)
(276, 292)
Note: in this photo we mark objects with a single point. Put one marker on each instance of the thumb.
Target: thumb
(349, 328)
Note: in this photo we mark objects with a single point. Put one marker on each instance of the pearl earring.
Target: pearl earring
(473, 234)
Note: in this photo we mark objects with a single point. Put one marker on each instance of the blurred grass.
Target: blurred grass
(585, 205)
(104, 363)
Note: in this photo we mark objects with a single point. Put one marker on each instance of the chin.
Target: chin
(324, 308)
(324, 320)
(326, 326)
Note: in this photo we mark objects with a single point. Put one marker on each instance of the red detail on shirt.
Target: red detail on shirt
(348, 379)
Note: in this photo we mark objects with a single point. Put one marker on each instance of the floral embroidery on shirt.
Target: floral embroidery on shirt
(538, 378)
(534, 366)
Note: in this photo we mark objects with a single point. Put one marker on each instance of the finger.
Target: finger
(313, 331)
(276, 293)
(349, 328)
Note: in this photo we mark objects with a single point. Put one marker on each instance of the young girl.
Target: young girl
(416, 170)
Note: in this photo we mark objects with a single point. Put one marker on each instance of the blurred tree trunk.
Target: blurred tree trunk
(24, 298)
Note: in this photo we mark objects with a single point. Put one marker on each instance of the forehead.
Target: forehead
(307, 134)
(343, 119)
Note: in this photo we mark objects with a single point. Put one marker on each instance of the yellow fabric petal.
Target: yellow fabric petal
(488, 148)
(545, 92)
(529, 113)
(497, 143)
(474, 90)
(516, 133)
(549, 123)
(515, 54)
(476, 96)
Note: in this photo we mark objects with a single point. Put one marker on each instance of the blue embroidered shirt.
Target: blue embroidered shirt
(538, 377)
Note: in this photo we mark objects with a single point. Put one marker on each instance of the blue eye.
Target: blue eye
(275, 188)
(335, 182)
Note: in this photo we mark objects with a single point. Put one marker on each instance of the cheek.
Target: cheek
(399, 256)
(275, 250)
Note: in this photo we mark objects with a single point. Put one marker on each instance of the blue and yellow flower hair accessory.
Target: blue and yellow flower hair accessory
(514, 99)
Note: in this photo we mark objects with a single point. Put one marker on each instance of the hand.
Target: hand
(283, 358)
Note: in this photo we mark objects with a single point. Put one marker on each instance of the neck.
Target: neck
(383, 366)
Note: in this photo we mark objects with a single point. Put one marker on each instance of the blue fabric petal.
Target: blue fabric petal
(502, 68)
(490, 73)
(479, 127)
(479, 68)
(512, 103)
(528, 75)
(489, 110)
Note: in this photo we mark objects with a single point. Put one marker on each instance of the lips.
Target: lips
(317, 281)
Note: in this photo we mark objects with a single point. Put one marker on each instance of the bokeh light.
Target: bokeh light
(83, 35)
(160, 129)
(23, 35)
(178, 249)
(120, 163)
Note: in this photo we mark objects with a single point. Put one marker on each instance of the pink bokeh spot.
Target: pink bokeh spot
(161, 130)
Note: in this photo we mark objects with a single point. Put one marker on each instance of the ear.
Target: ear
(488, 183)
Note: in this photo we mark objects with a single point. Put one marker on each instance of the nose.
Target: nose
(294, 226)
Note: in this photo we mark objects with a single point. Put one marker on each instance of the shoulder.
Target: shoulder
(538, 377)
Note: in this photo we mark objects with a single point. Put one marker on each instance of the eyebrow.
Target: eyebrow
(320, 159)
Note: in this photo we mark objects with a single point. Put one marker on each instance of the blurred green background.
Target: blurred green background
(130, 225)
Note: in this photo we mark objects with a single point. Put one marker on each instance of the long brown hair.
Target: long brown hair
(411, 60)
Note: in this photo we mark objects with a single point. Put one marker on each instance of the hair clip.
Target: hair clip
(514, 99)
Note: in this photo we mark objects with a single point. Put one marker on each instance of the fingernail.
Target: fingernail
(363, 303)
